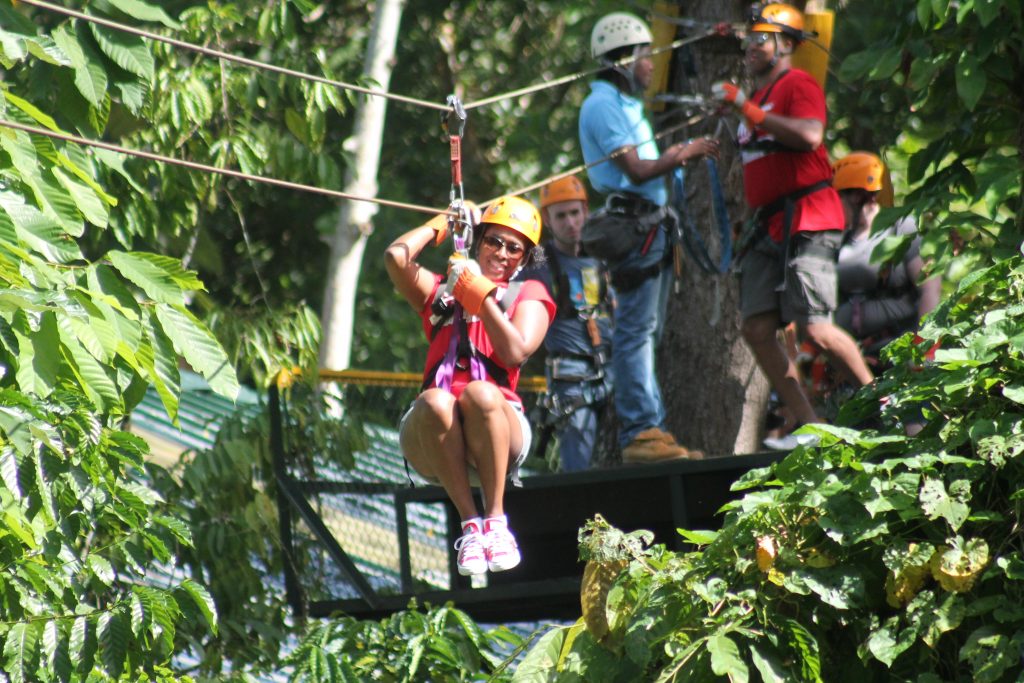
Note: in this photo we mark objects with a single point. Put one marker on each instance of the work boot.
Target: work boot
(651, 445)
(657, 434)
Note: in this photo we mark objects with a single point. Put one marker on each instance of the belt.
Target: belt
(627, 202)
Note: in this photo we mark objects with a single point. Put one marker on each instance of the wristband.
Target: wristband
(471, 290)
(753, 113)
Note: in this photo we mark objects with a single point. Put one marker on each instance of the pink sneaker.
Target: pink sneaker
(500, 545)
(472, 554)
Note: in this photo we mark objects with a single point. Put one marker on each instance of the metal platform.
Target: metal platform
(546, 514)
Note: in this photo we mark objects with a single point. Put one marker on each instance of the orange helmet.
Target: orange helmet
(516, 214)
(562, 190)
(777, 17)
(860, 170)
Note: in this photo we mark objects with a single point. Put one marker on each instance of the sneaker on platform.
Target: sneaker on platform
(791, 441)
(472, 557)
(500, 545)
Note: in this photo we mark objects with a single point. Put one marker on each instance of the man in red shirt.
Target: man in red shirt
(789, 272)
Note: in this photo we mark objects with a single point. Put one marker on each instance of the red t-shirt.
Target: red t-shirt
(770, 174)
(531, 290)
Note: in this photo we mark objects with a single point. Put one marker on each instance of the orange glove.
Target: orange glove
(439, 223)
(471, 290)
(731, 94)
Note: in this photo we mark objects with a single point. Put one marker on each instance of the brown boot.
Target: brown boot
(656, 434)
(647, 447)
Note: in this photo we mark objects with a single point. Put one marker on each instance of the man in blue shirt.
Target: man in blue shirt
(612, 121)
(578, 343)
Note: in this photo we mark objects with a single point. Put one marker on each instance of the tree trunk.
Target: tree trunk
(355, 220)
(715, 395)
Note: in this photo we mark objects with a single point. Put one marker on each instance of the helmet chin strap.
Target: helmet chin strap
(776, 54)
(626, 71)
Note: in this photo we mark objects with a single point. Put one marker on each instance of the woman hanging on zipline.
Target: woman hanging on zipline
(468, 427)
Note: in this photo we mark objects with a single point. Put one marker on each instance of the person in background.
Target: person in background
(613, 124)
(578, 343)
(877, 301)
(789, 273)
(468, 425)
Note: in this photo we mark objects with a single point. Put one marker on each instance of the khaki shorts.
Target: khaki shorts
(811, 289)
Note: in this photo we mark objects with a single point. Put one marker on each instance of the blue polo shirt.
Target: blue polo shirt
(610, 120)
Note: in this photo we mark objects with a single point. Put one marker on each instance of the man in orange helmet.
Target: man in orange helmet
(788, 274)
(578, 343)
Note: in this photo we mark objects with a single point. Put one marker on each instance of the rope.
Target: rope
(531, 384)
(232, 58)
(213, 169)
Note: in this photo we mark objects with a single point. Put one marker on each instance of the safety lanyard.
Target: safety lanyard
(459, 225)
(691, 238)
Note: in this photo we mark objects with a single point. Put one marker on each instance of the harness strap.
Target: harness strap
(459, 344)
(691, 237)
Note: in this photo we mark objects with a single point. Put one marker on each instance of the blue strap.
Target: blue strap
(691, 238)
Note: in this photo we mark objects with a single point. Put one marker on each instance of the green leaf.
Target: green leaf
(20, 649)
(726, 660)
(92, 376)
(805, 646)
(129, 52)
(39, 231)
(33, 111)
(539, 664)
(161, 364)
(970, 80)
(101, 569)
(768, 666)
(153, 273)
(86, 200)
(39, 357)
(90, 76)
(988, 10)
(990, 654)
(701, 537)
(145, 11)
(887, 642)
(114, 635)
(199, 347)
(936, 502)
(204, 601)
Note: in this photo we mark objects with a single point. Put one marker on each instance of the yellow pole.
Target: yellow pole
(812, 54)
(663, 32)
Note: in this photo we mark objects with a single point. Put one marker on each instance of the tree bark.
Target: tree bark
(355, 221)
(715, 396)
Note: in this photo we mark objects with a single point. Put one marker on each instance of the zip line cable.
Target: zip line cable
(232, 58)
(210, 52)
(625, 61)
(5, 123)
(614, 155)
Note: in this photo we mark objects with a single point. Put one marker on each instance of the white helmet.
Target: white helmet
(615, 30)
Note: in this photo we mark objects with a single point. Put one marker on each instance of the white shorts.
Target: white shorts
(513, 466)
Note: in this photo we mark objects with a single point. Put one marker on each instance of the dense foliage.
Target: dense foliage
(875, 556)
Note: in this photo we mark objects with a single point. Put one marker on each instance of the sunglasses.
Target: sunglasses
(756, 39)
(496, 243)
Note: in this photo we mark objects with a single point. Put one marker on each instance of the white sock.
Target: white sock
(478, 525)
